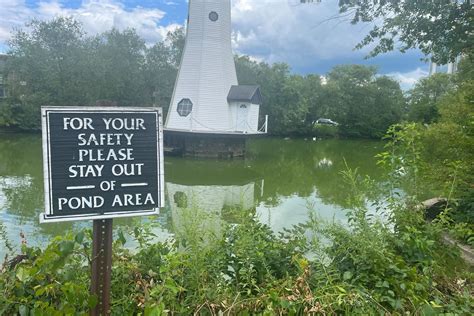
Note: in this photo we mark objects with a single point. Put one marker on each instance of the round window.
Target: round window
(213, 16)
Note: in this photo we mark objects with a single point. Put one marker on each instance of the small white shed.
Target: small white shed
(244, 106)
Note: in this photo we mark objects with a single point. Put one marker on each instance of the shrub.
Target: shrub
(325, 131)
(365, 268)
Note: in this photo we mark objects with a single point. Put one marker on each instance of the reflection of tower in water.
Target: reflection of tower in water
(211, 198)
(217, 191)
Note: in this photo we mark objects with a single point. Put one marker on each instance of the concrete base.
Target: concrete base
(205, 145)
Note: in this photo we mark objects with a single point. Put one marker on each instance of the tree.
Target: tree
(55, 63)
(117, 63)
(175, 41)
(282, 98)
(388, 105)
(424, 97)
(440, 28)
(364, 105)
(442, 152)
(310, 90)
(247, 70)
(162, 63)
(47, 61)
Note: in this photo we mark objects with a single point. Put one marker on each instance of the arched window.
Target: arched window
(185, 106)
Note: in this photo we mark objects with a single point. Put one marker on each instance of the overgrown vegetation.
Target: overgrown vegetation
(437, 158)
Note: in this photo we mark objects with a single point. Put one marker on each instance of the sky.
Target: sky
(310, 38)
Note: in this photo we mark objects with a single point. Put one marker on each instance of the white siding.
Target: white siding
(233, 115)
(207, 69)
(251, 127)
(253, 118)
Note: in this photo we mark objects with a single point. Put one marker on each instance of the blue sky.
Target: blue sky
(267, 30)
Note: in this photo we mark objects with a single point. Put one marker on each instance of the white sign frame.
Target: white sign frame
(46, 146)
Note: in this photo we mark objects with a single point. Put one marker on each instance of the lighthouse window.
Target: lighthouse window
(213, 16)
(185, 106)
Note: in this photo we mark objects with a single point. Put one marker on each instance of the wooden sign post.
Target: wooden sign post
(101, 265)
(100, 164)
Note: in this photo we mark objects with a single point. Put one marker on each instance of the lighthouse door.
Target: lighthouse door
(242, 115)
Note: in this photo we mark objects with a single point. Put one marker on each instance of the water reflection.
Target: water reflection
(307, 168)
(213, 187)
(279, 181)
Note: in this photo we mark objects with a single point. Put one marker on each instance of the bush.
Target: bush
(5, 115)
(325, 131)
(365, 268)
(44, 282)
(436, 159)
(26, 117)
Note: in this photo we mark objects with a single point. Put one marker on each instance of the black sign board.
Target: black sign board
(102, 162)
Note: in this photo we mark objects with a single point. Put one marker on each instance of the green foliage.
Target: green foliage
(48, 59)
(53, 281)
(283, 100)
(402, 157)
(325, 131)
(363, 105)
(407, 260)
(424, 97)
(54, 63)
(116, 67)
(437, 158)
(463, 232)
(242, 267)
(439, 28)
(5, 115)
(161, 67)
(24, 117)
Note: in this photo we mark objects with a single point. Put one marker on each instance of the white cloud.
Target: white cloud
(408, 79)
(96, 15)
(311, 37)
(279, 30)
(13, 14)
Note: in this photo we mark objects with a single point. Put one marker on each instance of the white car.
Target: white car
(325, 121)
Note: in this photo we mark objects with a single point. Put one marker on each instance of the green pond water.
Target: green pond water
(279, 180)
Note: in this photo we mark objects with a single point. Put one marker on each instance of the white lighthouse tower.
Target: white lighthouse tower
(207, 99)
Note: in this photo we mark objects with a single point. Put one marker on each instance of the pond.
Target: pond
(279, 180)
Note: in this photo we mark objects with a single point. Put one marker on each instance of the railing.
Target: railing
(264, 128)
